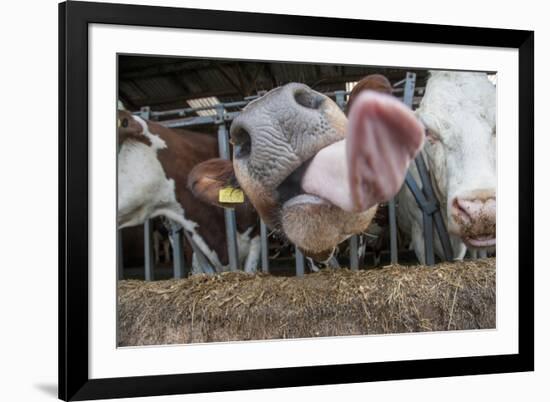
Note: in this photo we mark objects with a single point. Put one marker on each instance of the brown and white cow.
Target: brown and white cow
(311, 174)
(154, 163)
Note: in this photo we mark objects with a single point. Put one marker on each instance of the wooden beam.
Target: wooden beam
(241, 76)
(179, 83)
(229, 78)
(252, 84)
(267, 67)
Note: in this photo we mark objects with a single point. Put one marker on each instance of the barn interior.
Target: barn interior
(380, 293)
(183, 92)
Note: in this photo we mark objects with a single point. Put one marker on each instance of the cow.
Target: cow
(313, 176)
(153, 167)
(458, 112)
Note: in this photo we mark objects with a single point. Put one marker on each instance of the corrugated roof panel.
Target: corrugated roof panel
(214, 80)
(131, 91)
(159, 87)
(164, 82)
(203, 102)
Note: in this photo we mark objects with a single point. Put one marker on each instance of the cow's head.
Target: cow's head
(312, 175)
(372, 82)
(128, 128)
(458, 110)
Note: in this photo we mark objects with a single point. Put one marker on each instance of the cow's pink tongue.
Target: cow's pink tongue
(369, 166)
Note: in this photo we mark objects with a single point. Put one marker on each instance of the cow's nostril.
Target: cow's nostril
(475, 208)
(241, 143)
(308, 98)
(461, 208)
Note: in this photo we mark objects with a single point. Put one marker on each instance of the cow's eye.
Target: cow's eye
(432, 136)
(241, 143)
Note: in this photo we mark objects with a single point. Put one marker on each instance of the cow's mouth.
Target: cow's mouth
(291, 193)
(364, 168)
(481, 241)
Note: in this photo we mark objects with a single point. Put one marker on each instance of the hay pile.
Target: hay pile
(239, 306)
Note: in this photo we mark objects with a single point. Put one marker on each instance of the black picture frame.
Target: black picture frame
(74, 381)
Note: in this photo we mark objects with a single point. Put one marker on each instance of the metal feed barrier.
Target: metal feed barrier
(223, 116)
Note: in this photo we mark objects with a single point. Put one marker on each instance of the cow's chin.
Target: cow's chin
(316, 226)
(480, 241)
(475, 236)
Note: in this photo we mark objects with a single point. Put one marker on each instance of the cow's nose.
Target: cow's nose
(472, 209)
(308, 98)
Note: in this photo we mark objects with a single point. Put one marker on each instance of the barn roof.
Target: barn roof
(167, 82)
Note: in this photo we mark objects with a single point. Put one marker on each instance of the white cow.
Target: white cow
(458, 111)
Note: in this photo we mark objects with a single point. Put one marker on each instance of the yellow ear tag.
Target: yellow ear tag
(231, 195)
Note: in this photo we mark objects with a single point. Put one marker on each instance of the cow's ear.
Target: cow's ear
(213, 181)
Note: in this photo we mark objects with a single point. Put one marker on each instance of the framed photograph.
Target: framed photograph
(259, 200)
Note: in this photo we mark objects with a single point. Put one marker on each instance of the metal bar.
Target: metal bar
(398, 83)
(332, 94)
(181, 121)
(408, 92)
(228, 105)
(424, 177)
(196, 121)
(353, 253)
(438, 219)
(416, 89)
(300, 262)
(120, 256)
(185, 113)
(340, 99)
(426, 218)
(179, 262)
(264, 247)
(408, 98)
(188, 121)
(202, 261)
(443, 236)
(415, 190)
(393, 231)
(428, 239)
(231, 236)
(188, 110)
(148, 250)
(230, 220)
(145, 112)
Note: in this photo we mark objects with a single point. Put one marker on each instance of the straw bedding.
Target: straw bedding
(239, 306)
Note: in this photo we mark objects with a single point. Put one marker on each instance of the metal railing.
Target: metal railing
(223, 116)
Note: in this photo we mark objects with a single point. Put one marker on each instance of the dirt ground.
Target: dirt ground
(240, 306)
